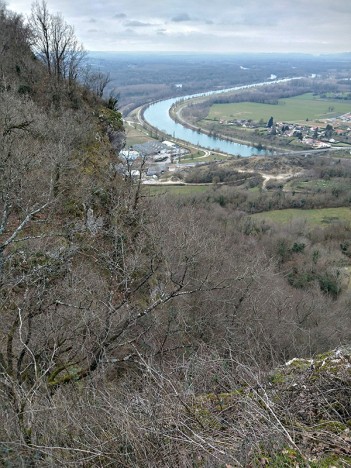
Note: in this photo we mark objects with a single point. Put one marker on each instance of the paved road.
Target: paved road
(309, 151)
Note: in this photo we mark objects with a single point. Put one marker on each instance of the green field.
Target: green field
(318, 185)
(323, 216)
(135, 135)
(295, 109)
(153, 190)
(212, 157)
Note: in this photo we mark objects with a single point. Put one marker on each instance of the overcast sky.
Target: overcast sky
(312, 26)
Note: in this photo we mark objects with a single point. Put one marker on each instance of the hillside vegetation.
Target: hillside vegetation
(146, 330)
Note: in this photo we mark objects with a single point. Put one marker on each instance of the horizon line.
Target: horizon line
(187, 52)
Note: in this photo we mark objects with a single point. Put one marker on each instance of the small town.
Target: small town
(327, 134)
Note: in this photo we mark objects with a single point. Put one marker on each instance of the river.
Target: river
(157, 115)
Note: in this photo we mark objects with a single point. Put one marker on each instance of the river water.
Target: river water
(157, 115)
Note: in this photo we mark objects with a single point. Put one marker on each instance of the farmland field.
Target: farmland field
(136, 135)
(322, 216)
(295, 109)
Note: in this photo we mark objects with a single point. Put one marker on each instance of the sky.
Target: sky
(227, 26)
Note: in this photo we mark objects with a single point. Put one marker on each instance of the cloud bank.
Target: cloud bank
(316, 26)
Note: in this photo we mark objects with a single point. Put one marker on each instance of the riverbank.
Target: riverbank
(175, 113)
(186, 144)
(158, 121)
(157, 116)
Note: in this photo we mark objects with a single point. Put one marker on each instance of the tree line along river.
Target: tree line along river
(157, 115)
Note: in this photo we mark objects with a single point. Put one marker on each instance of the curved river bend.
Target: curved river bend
(157, 115)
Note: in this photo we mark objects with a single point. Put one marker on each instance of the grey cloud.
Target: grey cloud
(135, 23)
(316, 26)
(181, 17)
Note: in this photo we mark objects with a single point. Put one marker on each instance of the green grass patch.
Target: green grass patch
(295, 109)
(256, 189)
(322, 216)
(153, 190)
(193, 157)
(218, 157)
(319, 185)
(136, 135)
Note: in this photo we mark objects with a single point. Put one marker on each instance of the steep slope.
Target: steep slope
(137, 331)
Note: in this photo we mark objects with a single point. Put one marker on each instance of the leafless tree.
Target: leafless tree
(96, 81)
(54, 41)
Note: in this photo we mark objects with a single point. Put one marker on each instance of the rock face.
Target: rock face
(298, 415)
(94, 224)
(315, 396)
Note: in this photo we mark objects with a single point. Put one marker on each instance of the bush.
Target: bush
(330, 284)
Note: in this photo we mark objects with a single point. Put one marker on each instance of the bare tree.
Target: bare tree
(96, 81)
(54, 41)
